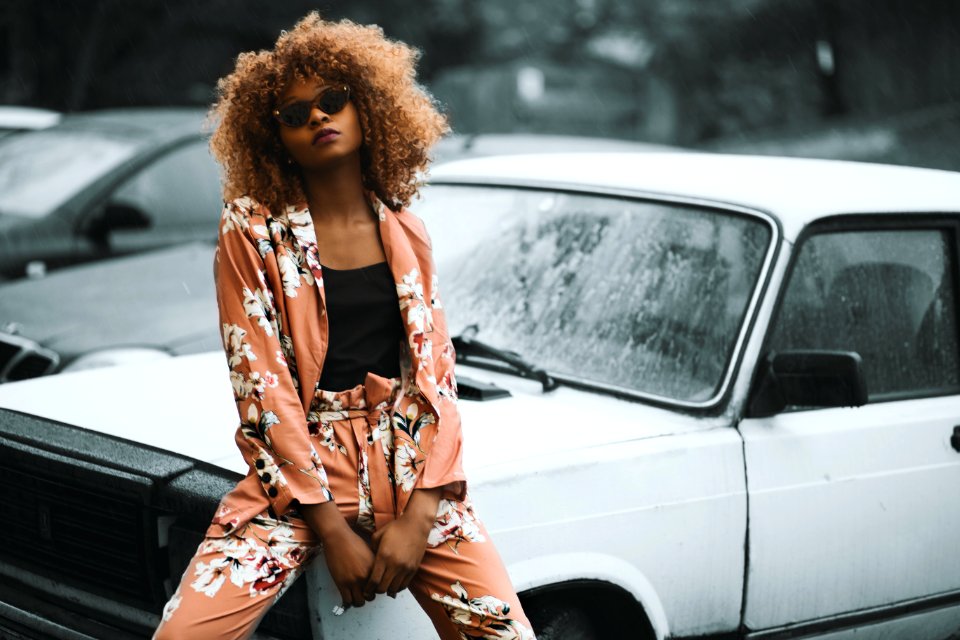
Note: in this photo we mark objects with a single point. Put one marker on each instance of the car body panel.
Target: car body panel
(691, 479)
(796, 190)
(162, 299)
(856, 499)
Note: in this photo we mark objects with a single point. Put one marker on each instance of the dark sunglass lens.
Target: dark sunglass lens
(296, 114)
(333, 101)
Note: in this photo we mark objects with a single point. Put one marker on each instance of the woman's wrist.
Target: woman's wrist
(421, 510)
(325, 520)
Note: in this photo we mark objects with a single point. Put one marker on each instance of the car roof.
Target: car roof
(795, 190)
(475, 145)
(16, 117)
(146, 124)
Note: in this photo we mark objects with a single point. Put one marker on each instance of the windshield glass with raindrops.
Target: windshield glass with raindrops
(647, 296)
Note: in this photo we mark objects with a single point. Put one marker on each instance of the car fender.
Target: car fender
(556, 569)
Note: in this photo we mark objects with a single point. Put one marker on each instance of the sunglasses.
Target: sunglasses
(330, 100)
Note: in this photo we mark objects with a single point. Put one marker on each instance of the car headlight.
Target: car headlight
(114, 357)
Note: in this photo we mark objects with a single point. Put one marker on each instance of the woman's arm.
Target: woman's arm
(272, 435)
(400, 545)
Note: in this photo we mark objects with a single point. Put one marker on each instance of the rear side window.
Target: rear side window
(180, 188)
(886, 294)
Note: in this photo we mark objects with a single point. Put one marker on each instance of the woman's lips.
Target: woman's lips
(325, 135)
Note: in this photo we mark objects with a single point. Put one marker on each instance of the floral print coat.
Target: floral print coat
(273, 316)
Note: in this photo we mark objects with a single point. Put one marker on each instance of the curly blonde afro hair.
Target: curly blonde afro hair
(399, 119)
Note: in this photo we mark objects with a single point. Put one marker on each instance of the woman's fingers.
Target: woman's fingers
(345, 597)
(375, 539)
(376, 575)
(356, 595)
(398, 584)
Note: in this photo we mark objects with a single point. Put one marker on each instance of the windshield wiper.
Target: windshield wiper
(466, 346)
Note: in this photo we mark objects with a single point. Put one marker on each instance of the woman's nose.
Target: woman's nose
(317, 115)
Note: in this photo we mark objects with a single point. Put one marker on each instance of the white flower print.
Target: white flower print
(318, 424)
(289, 274)
(412, 420)
(405, 466)
(365, 516)
(485, 615)
(232, 217)
(410, 293)
(254, 384)
(236, 348)
(257, 304)
(172, 605)
(455, 522)
(210, 576)
(447, 386)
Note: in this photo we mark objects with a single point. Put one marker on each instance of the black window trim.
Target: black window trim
(716, 404)
(893, 221)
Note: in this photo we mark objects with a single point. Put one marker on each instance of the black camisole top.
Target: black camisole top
(365, 326)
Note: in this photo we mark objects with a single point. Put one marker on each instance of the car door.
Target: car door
(177, 196)
(854, 512)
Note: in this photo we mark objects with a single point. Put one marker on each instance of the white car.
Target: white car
(14, 118)
(703, 396)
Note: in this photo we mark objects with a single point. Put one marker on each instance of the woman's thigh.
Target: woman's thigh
(232, 581)
(462, 583)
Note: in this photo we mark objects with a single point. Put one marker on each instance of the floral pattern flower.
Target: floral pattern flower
(455, 523)
(260, 564)
(234, 345)
(406, 465)
(484, 617)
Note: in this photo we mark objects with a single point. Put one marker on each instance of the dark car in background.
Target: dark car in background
(130, 309)
(104, 184)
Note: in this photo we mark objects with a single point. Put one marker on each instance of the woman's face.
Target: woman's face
(326, 139)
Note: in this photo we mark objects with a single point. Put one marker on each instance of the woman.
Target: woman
(339, 357)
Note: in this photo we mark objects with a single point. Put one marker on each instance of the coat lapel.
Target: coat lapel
(407, 277)
(303, 236)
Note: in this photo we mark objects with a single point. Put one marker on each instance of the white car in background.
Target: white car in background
(14, 118)
(703, 396)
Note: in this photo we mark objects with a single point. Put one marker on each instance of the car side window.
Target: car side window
(886, 294)
(181, 187)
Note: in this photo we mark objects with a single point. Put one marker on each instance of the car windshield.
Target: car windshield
(647, 296)
(40, 170)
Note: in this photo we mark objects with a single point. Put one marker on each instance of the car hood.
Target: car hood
(185, 405)
(162, 299)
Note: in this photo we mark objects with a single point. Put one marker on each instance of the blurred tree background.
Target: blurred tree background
(861, 79)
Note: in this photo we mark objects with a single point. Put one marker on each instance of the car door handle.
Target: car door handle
(955, 438)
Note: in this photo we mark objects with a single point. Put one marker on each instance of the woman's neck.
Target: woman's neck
(336, 196)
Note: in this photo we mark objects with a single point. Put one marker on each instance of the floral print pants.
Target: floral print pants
(236, 575)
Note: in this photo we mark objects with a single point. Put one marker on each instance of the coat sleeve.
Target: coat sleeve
(272, 435)
(443, 466)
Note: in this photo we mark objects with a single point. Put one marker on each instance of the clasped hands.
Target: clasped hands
(386, 565)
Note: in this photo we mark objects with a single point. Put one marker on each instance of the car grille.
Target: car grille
(70, 529)
(109, 518)
(21, 358)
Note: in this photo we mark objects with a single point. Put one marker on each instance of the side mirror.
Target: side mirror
(116, 217)
(807, 379)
